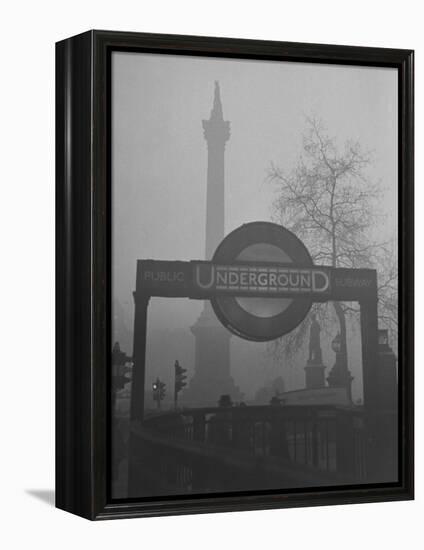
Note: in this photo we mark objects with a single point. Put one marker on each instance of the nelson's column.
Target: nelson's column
(212, 377)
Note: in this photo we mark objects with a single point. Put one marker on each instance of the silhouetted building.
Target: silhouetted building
(212, 341)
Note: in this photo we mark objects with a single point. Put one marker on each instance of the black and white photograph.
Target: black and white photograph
(254, 275)
(211, 277)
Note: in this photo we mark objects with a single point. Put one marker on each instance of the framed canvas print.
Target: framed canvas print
(234, 274)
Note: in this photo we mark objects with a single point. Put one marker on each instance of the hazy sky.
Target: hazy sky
(159, 153)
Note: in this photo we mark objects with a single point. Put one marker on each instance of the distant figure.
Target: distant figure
(225, 401)
(275, 401)
(315, 354)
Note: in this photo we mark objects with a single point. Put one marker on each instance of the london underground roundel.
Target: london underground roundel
(261, 318)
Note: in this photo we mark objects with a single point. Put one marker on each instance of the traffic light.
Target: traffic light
(121, 372)
(180, 377)
(180, 380)
(162, 390)
(119, 357)
(158, 391)
(119, 380)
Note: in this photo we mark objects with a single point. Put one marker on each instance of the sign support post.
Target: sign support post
(139, 356)
(141, 302)
(369, 336)
(378, 427)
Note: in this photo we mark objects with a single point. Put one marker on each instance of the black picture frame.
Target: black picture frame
(83, 237)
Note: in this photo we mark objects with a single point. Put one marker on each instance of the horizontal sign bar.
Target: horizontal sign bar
(353, 284)
(164, 278)
(203, 280)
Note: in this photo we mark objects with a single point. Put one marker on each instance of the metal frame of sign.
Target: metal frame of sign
(178, 279)
(83, 345)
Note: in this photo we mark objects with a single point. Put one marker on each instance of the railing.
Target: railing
(303, 435)
(236, 448)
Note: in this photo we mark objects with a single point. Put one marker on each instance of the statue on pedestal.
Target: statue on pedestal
(315, 353)
(314, 370)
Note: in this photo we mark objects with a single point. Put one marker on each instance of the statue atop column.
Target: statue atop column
(314, 370)
(212, 370)
(315, 353)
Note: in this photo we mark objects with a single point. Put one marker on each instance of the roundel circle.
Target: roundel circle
(261, 319)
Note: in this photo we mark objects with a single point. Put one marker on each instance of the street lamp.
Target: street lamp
(336, 344)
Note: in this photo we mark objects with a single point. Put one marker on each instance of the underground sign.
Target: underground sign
(273, 248)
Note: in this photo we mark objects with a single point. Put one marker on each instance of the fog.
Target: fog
(159, 158)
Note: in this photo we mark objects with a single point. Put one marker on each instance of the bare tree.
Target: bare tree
(329, 203)
(386, 262)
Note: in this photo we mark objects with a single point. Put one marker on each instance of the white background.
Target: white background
(28, 32)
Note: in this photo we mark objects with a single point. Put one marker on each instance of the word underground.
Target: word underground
(269, 280)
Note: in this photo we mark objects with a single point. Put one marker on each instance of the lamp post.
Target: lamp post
(336, 344)
(340, 376)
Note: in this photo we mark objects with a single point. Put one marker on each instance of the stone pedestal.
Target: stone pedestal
(211, 377)
(340, 377)
(314, 375)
